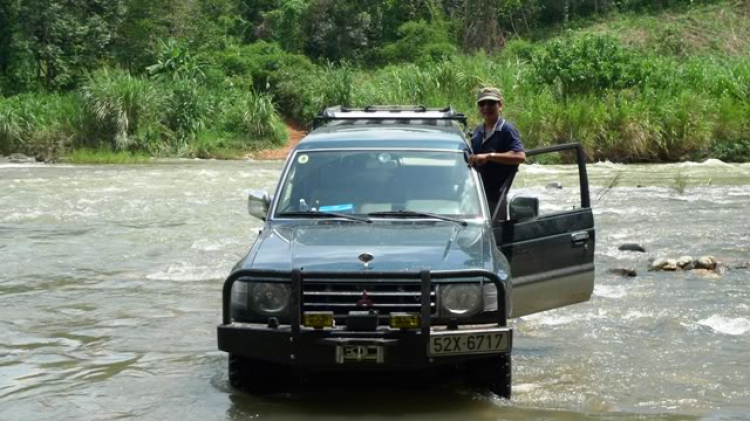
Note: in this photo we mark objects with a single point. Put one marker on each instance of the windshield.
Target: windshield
(367, 182)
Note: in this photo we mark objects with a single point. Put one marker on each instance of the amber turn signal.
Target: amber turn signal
(318, 319)
(405, 321)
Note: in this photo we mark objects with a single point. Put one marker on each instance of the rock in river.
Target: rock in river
(685, 263)
(705, 262)
(623, 272)
(632, 247)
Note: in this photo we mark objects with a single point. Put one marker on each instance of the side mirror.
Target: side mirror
(258, 202)
(524, 208)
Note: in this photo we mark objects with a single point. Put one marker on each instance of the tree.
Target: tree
(286, 24)
(481, 28)
(145, 21)
(67, 38)
(339, 30)
(520, 15)
(7, 26)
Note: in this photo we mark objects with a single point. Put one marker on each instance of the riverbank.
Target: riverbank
(295, 133)
(662, 84)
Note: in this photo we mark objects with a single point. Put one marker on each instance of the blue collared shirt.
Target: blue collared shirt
(504, 138)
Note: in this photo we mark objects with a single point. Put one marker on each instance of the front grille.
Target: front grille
(386, 297)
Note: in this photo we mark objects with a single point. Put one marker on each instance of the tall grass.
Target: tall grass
(176, 117)
(38, 124)
(105, 156)
(122, 110)
(667, 109)
(253, 115)
(678, 111)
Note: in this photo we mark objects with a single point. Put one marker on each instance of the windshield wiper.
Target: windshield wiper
(319, 214)
(407, 213)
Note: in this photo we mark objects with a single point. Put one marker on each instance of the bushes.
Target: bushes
(116, 111)
(39, 125)
(122, 111)
(265, 63)
(587, 64)
(253, 115)
(622, 107)
(419, 42)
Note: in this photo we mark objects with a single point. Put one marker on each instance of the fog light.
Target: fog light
(405, 321)
(318, 319)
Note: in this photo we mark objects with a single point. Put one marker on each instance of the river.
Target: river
(110, 280)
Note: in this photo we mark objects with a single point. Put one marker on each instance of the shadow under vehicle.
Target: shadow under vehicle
(379, 253)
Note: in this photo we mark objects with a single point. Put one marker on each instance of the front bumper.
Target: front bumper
(296, 345)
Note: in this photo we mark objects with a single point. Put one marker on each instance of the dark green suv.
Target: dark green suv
(379, 252)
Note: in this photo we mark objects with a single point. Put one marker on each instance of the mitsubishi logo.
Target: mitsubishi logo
(365, 300)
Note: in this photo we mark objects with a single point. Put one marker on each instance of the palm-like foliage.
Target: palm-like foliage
(175, 62)
(122, 110)
(38, 124)
(254, 116)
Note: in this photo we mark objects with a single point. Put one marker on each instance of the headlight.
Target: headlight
(461, 299)
(269, 298)
(239, 294)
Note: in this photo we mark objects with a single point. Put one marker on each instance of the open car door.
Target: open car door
(551, 256)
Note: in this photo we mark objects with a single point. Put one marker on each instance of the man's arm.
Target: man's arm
(508, 158)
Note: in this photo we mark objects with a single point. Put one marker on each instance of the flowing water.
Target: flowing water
(110, 280)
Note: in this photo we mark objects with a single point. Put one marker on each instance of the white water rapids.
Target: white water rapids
(110, 282)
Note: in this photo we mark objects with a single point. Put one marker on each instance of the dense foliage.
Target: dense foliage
(634, 80)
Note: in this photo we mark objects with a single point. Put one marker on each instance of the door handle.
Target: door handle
(579, 238)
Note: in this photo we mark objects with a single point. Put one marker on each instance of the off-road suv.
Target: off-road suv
(379, 252)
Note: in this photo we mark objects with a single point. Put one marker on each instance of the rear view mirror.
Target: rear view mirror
(258, 202)
(524, 208)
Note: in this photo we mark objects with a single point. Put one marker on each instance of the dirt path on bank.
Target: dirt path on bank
(295, 133)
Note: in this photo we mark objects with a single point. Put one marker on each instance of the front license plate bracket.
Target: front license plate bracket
(360, 354)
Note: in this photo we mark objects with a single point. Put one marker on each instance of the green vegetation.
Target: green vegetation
(106, 156)
(633, 80)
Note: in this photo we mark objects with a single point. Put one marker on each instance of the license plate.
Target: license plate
(455, 343)
(359, 353)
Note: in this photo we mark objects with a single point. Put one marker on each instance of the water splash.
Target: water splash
(727, 325)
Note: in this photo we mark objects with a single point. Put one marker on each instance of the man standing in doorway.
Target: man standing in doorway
(496, 145)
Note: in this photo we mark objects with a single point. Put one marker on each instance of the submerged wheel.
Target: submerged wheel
(256, 376)
(493, 374)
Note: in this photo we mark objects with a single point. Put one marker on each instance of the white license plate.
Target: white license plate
(359, 353)
(455, 343)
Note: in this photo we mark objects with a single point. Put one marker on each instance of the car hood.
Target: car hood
(394, 246)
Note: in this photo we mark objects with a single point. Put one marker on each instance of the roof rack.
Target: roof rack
(389, 112)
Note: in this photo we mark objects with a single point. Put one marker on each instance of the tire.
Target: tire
(259, 377)
(493, 374)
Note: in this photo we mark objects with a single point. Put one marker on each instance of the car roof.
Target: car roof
(386, 134)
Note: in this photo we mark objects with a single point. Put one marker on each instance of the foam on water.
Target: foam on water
(607, 165)
(540, 169)
(4, 166)
(525, 388)
(30, 216)
(555, 318)
(707, 163)
(727, 325)
(635, 314)
(186, 272)
(610, 291)
(610, 211)
(208, 245)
